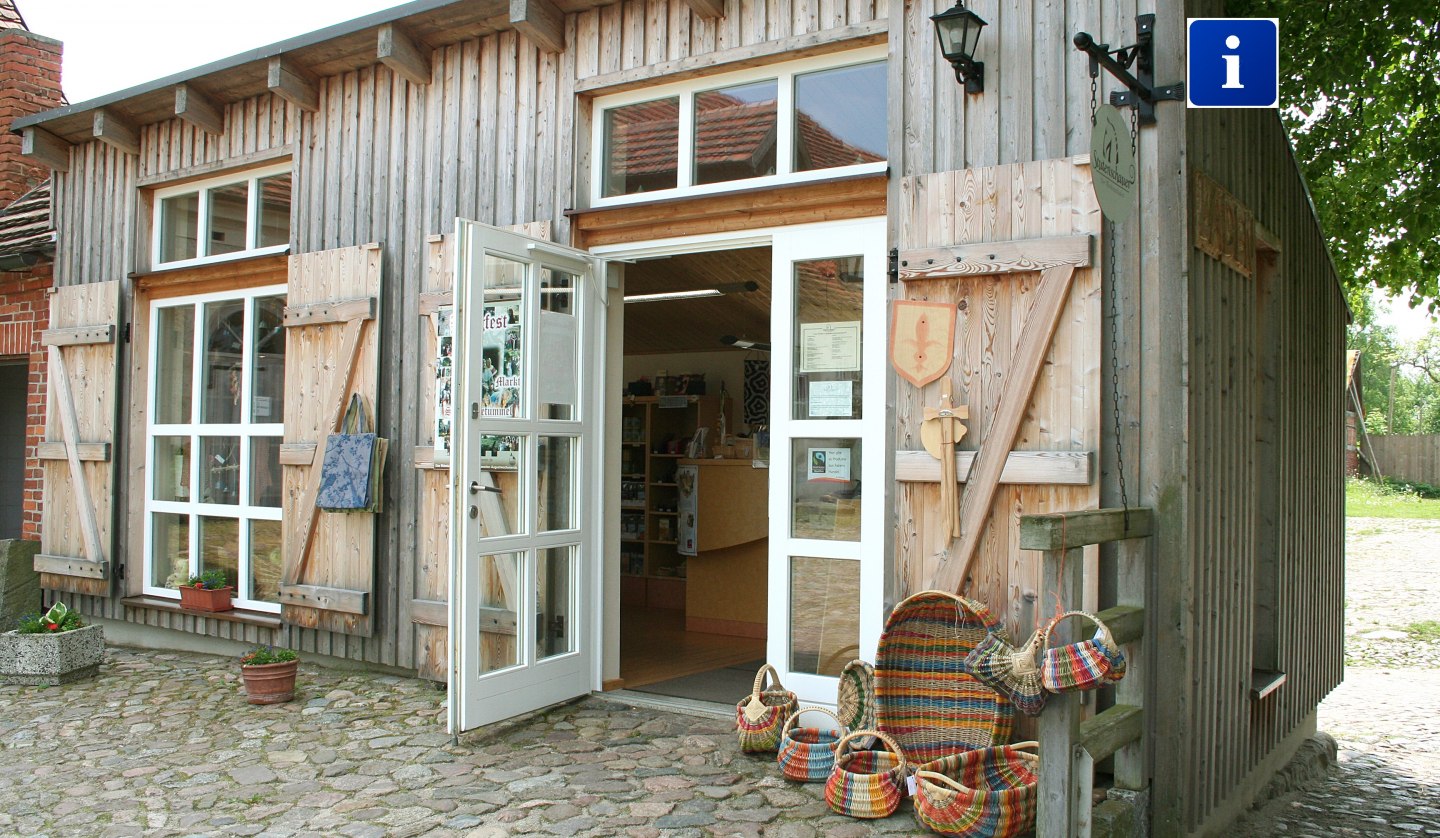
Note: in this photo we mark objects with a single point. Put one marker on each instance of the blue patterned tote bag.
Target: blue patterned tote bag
(354, 458)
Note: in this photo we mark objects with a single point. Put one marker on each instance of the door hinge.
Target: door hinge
(894, 264)
(120, 566)
(127, 332)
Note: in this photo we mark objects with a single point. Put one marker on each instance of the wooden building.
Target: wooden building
(244, 246)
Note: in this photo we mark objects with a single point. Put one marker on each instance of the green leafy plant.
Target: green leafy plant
(262, 655)
(210, 580)
(59, 618)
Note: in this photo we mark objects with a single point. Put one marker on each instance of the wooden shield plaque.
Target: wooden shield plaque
(922, 339)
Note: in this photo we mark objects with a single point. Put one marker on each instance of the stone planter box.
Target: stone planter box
(45, 659)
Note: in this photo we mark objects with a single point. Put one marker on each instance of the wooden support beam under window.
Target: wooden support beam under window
(396, 50)
(290, 82)
(707, 8)
(199, 110)
(540, 21)
(112, 129)
(45, 148)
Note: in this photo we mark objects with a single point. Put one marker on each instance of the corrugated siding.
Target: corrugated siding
(1250, 507)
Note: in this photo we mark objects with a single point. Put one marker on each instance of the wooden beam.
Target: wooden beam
(994, 258)
(396, 50)
(1126, 623)
(540, 21)
(113, 129)
(70, 430)
(497, 621)
(297, 453)
(433, 301)
(820, 42)
(430, 612)
(88, 452)
(287, 80)
(1029, 355)
(225, 165)
(45, 148)
(344, 600)
(1066, 468)
(71, 566)
(78, 336)
(199, 110)
(1111, 730)
(330, 311)
(710, 9)
(1062, 530)
(1263, 682)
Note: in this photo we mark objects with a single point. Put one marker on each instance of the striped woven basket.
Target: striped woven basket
(760, 715)
(855, 698)
(984, 793)
(807, 754)
(926, 699)
(867, 783)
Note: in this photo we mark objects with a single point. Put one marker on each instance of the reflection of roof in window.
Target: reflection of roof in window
(644, 137)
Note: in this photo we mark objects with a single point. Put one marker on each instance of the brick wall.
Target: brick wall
(24, 314)
(29, 83)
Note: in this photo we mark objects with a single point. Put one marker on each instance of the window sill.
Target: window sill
(1264, 682)
(249, 618)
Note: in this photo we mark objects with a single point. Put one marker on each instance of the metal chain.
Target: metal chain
(1115, 341)
(1093, 86)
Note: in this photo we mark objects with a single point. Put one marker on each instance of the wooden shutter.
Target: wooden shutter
(332, 350)
(76, 533)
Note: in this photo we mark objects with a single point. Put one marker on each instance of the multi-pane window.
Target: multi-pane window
(215, 423)
(222, 218)
(816, 117)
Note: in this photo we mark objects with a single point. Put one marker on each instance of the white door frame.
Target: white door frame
(807, 241)
(530, 683)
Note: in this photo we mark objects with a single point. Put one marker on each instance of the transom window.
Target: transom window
(214, 427)
(223, 218)
(804, 120)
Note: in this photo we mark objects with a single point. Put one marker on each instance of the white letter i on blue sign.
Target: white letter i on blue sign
(1232, 64)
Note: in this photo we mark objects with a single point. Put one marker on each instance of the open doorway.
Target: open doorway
(12, 448)
(694, 516)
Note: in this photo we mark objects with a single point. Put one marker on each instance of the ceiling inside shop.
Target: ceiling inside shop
(697, 325)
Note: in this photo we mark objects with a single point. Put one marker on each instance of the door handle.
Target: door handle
(476, 488)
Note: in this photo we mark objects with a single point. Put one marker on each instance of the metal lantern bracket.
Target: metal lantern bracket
(1142, 94)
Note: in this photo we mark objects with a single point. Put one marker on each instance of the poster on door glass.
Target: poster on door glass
(829, 465)
(444, 391)
(499, 453)
(500, 360)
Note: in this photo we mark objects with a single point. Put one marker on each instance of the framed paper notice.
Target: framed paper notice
(829, 465)
(830, 347)
(831, 398)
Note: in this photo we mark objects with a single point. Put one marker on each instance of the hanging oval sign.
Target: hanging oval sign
(1112, 164)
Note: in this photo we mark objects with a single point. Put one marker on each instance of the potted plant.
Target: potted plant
(269, 674)
(56, 647)
(207, 592)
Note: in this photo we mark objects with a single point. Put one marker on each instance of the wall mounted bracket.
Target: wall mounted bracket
(1142, 94)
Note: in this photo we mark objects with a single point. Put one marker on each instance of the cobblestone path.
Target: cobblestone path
(165, 744)
(1386, 715)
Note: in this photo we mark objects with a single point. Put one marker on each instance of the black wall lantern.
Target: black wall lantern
(959, 31)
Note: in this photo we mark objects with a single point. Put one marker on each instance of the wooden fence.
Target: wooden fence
(1415, 457)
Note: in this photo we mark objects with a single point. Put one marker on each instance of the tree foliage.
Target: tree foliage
(1360, 94)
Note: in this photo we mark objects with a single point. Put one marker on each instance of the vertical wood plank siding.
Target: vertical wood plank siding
(491, 138)
(1248, 154)
(1415, 458)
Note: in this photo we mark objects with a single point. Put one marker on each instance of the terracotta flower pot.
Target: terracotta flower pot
(206, 599)
(270, 683)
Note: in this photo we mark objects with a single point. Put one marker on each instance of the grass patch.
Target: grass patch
(1369, 499)
(1426, 630)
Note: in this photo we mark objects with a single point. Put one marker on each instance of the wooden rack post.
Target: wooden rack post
(1069, 748)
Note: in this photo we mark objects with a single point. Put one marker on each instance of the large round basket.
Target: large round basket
(985, 792)
(926, 699)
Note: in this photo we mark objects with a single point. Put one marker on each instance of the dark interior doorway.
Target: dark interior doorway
(12, 448)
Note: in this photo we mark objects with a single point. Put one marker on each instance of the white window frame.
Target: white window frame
(784, 76)
(195, 430)
(202, 219)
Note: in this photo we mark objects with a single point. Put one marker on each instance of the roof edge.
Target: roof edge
(349, 27)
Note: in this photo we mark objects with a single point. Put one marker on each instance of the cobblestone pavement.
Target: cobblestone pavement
(1386, 715)
(164, 744)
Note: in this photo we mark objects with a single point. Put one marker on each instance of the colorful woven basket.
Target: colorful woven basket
(760, 716)
(866, 783)
(987, 792)
(855, 698)
(926, 699)
(807, 754)
(1084, 664)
